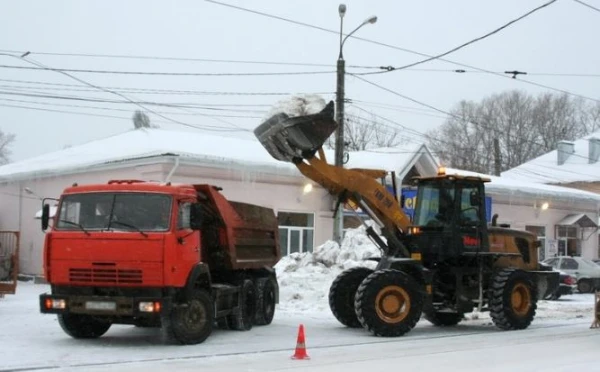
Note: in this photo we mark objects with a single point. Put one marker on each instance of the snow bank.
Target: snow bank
(302, 104)
(305, 278)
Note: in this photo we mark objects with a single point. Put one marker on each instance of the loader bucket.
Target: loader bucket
(293, 138)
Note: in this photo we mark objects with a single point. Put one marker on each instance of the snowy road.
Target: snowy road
(559, 340)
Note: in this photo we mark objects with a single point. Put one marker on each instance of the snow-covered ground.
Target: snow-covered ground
(558, 340)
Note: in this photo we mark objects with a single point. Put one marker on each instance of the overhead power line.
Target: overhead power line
(406, 50)
(41, 65)
(445, 112)
(186, 59)
(84, 88)
(164, 73)
(474, 40)
(588, 5)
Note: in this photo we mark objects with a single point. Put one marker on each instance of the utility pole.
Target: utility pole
(496, 157)
(338, 223)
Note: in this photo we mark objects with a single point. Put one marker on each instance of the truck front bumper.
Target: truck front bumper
(104, 305)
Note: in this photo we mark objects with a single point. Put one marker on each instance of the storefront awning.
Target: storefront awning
(580, 220)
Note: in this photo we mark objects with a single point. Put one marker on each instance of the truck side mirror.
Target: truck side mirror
(196, 216)
(45, 216)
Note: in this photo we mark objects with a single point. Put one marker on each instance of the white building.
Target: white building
(247, 173)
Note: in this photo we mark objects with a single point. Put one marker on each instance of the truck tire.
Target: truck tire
(82, 326)
(342, 294)
(513, 299)
(388, 303)
(442, 319)
(190, 322)
(584, 286)
(243, 319)
(265, 300)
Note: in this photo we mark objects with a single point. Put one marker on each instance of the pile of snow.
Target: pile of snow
(298, 105)
(305, 278)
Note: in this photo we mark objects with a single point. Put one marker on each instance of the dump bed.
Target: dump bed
(237, 235)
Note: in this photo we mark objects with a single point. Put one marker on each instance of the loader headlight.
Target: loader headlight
(150, 306)
(52, 303)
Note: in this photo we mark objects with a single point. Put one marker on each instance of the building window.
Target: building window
(296, 232)
(540, 232)
(568, 244)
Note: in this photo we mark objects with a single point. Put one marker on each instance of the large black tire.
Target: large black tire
(513, 299)
(190, 322)
(82, 326)
(265, 300)
(585, 286)
(243, 319)
(342, 293)
(388, 303)
(442, 319)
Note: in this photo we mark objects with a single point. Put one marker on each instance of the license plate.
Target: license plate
(100, 305)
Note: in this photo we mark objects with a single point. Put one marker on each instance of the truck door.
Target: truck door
(187, 240)
(471, 218)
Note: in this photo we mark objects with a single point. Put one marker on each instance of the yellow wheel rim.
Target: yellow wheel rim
(520, 299)
(392, 304)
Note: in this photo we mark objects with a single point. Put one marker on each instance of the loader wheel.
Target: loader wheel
(82, 326)
(584, 286)
(513, 299)
(243, 319)
(442, 319)
(265, 300)
(190, 322)
(388, 303)
(342, 294)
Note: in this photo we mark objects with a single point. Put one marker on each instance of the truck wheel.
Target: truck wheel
(190, 322)
(265, 301)
(513, 299)
(442, 319)
(342, 293)
(82, 326)
(242, 319)
(584, 286)
(388, 303)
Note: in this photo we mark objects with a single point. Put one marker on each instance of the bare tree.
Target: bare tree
(525, 127)
(6, 140)
(141, 120)
(361, 133)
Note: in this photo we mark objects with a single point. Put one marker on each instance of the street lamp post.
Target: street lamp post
(339, 114)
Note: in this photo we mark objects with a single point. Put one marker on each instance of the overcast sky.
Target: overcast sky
(559, 39)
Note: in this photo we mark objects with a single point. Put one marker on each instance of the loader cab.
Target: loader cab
(450, 217)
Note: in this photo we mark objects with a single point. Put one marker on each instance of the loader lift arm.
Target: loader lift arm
(299, 140)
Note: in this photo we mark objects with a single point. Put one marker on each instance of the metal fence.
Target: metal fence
(9, 261)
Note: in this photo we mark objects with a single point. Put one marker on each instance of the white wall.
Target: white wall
(17, 211)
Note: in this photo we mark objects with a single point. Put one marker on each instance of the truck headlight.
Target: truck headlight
(52, 303)
(150, 306)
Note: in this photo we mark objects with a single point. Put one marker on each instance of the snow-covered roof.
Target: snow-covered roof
(505, 184)
(545, 168)
(196, 146)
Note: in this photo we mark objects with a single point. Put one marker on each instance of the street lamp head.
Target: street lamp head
(342, 10)
(371, 19)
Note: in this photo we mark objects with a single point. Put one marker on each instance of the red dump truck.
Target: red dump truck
(177, 256)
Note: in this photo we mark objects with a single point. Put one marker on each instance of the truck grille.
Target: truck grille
(105, 275)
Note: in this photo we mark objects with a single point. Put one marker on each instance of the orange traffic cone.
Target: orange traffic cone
(300, 345)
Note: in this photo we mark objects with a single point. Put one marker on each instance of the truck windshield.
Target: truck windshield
(117, 211)
(435, 205)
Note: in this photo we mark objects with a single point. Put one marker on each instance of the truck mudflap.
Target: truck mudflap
(546, 282)
(291, 138)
